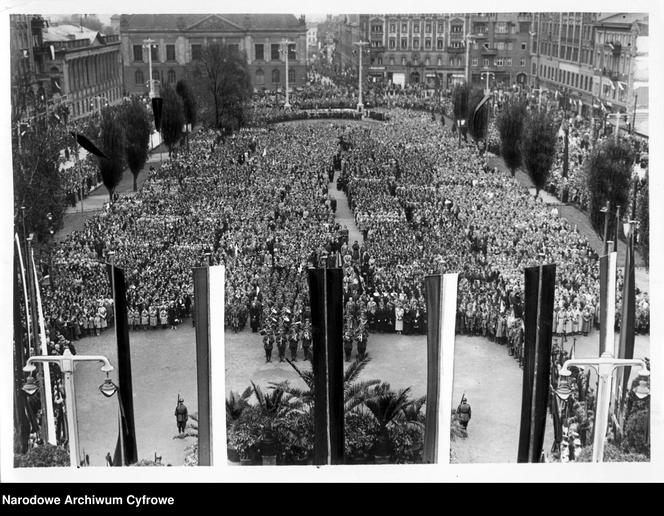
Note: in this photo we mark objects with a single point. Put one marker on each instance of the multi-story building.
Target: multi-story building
(499, 48)
(337, 35)
(179, 40)
(81, 67)
(312, 43)
(617, 40)
(562, 56)
(430, 49)
(25, 35)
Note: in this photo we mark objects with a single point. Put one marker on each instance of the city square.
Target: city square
(384, 152)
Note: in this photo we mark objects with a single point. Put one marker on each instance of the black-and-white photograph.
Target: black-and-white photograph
(413, 238)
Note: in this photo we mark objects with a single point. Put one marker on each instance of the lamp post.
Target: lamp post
(67, 363)
(284, 49)
(605, 366)
(360, 50)
(148, 43)
(605, 211)
(98, 99)
(467, 39)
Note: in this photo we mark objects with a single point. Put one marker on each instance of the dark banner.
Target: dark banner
(201, 316)
(627, 320)
(538, 318)
(21, 421)
(157, 103)
(325, 290)
(432, 285)
(117, 280)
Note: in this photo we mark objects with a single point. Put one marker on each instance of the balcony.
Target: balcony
(455, 50)
(488, 51)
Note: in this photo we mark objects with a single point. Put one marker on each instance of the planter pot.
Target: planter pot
(233, 455)
(269, 460)
(382, 459)
(357, 460)
(246, 462)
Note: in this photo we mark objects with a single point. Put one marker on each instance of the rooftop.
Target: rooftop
(183, 21)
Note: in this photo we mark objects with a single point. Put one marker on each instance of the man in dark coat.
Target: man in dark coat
(463, 412)
(181, 415)
(268, 344)
(281, 345)
(348, 346)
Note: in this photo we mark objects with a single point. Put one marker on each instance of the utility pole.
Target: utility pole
(360, 49)
(147, 43)
(285, 44)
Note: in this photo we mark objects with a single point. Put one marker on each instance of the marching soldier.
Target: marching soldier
(348, 345)
(463, 412)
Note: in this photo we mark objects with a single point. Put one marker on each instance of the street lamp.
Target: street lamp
(148, 43)
(605, 366)
(285, 44)
(488, 111)
(605, 211)
(98, 99)
(360, 45)
(67, 363)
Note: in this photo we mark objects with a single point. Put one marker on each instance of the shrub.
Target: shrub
(44, 456)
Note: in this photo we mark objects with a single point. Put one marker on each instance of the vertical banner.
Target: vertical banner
(21, 421)
(441, 298)
(325, 292)
(627, 324)
(124, 363)
(607, 302)
(43, 350)
(539, 298)
(209, 317)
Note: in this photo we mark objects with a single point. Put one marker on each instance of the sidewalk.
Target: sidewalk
(344, 215)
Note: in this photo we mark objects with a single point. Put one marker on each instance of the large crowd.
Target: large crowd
(423, 203)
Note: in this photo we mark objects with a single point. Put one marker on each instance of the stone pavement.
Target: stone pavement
(344, 215)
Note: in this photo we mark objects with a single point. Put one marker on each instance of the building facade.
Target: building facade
(616, 81)
(430, 49)
(82, 68)
(562, 56)
(178, 41)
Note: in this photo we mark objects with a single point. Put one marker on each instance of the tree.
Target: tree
(183, 89)
(510, 126)
(387, 407)
(609, 172)
(477, 121)
(226, 84)
(172, 117)
(644, 218)
(113, 146)
(138, 129)
(538, 148)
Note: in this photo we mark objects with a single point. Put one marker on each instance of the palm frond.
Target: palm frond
(355, 368)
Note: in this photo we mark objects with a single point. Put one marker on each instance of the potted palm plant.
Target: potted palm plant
(386, 406)
(236, 403)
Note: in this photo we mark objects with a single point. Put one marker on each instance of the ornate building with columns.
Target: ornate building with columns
(180, 38)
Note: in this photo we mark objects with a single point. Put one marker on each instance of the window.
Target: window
(427, 61)
(404, 27)
(508, 61)
(155, 75)
(391, 61)
(376, 28)
(416, 27)
(259, 51)
(291, 75)
(499, 61)
(457, 44)
(427, 28)
(196, 52)
(138, 52)
(441, 27)
(274, 53)
(510, 45)
(275, 75)
(139, 78)
(403, 61)
(512, 29)
(416, 43)
(475, 61)
(393, 27)
(392, 44)
(154, 50)
(440, 61)
(440, 44)
(501, 28)
(171, 77)
(427, 43)
(292, 55)
(523, 46)
(457, 29)
(500, 45)
(260, 77)
(522, 63)
(170, 52)
(404, 42)
(485, 62)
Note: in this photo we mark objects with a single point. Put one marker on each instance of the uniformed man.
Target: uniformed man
(181, 415)
(281, 344)
(268, 344)
(292, 344)
(348, 345)
(463, 412)
(306, 341)
(362, 343)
